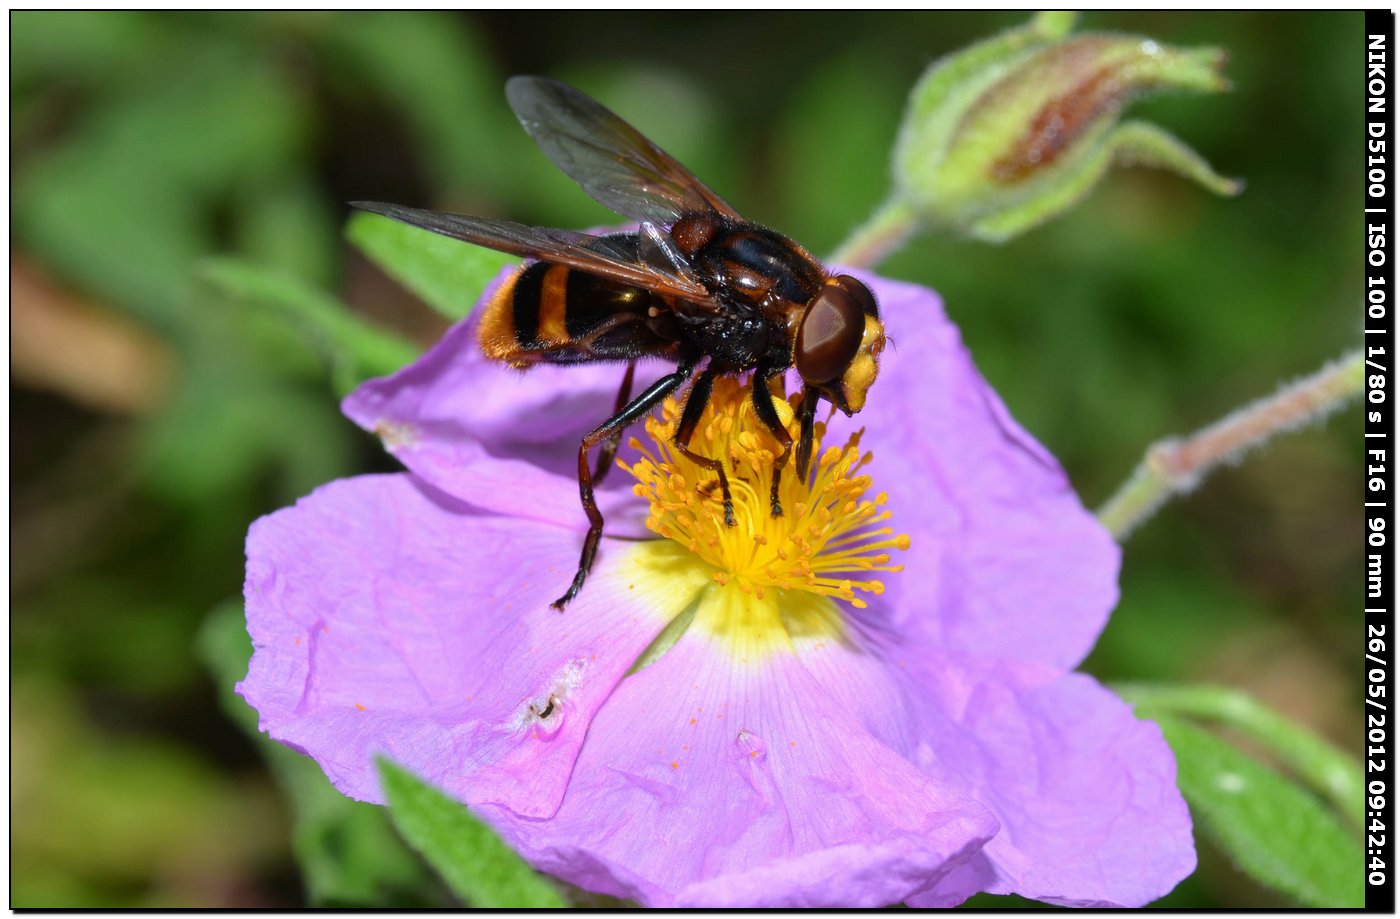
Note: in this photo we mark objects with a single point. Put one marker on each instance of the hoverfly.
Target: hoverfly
(695, 284)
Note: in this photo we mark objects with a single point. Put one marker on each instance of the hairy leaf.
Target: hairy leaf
(470, 857)
(1275, 831)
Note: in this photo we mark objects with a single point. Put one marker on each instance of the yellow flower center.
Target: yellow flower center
(830, 539)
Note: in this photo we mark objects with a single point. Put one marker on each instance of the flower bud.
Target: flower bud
(1010, 132)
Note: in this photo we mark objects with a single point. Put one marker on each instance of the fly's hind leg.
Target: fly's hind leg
(768, 414)
(613, 427)
(685, 429)
(608, 453)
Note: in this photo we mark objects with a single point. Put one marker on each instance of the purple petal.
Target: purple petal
(499, 438)
(1005, 561)
(715, 780)
(1086, 793)
(389, 618)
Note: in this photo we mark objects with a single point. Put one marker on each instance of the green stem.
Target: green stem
(890, 227)
(1335, 776)
(1176, 466)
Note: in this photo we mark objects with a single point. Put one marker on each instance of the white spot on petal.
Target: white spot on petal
(395, 434)
(544, 711)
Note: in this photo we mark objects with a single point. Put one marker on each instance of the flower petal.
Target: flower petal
(1086, 793)
(496, 437)
(1002, 548)
(390, 618)
(713, 780)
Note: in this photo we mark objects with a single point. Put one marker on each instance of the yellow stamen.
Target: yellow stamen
(828, 541)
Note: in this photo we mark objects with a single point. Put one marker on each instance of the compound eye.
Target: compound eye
(860, 294)
(830, 334)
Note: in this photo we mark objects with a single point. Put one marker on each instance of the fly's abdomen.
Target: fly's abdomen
(553, 314)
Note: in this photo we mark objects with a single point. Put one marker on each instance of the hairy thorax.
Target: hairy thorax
(765, 280)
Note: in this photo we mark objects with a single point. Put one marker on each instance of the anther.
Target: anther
(829, 527)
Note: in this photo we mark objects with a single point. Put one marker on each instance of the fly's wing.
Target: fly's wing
(609, 158)
(596, 255)
(655, 247)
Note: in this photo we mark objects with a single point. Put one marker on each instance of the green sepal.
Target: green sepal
(1134, 143)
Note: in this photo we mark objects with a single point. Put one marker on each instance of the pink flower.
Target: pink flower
(778, 745)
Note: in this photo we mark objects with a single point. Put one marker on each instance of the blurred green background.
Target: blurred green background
(156, 411)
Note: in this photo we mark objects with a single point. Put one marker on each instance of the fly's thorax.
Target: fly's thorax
(757, 265)
(692, 232)
(760, 277)
(739, 339)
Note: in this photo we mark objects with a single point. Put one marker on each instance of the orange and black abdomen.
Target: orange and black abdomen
(553, 314)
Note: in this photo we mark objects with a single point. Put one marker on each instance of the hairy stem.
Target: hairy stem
(1175, 466)
(872, 242)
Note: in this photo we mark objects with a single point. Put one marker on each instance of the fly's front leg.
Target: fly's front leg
(635, 409)
(609, 451)
(768, 414)
(685, 429)
(808, 416)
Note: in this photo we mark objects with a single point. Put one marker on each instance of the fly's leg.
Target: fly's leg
(608, 453)
(768, 414)
(685, 429)
(808, 415)
(635, 409)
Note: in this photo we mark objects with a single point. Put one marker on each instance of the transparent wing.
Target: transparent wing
(609, 158)
(655, 248)
(593, 254)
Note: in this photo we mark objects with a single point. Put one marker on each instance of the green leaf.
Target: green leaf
(355, 349)
(161, 154)
(85, 45)
(448, 274)
(846, 89)
(194, 453)
(348, 852)
(1275, 832)
(1328, 771)
(287, 224)
(436, 71)
(82, 789)
(470, 857)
